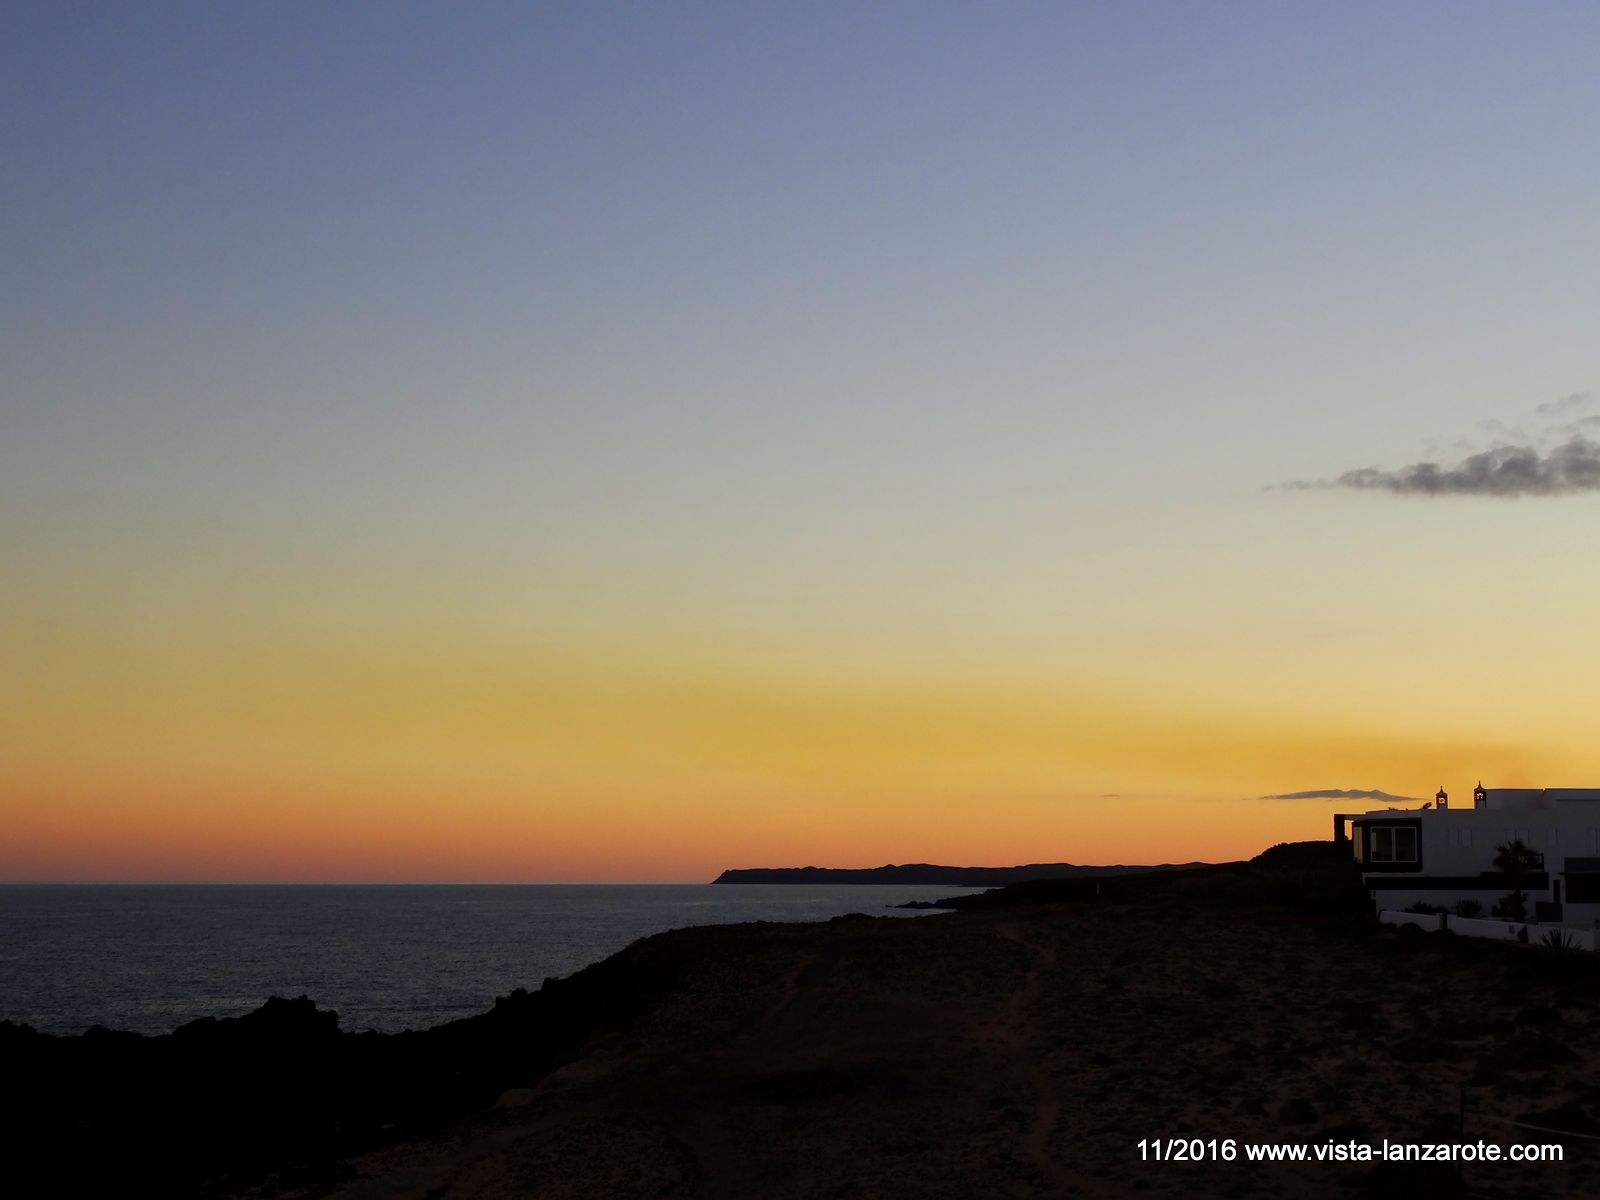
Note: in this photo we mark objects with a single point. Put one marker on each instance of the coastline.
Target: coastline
(1022, 1047)
(389, 957)
(934, 875)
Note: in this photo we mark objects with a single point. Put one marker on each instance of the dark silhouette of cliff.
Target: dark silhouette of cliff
(281, 1093)
(932, 874)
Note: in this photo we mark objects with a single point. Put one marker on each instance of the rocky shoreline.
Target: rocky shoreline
(1020, 1048)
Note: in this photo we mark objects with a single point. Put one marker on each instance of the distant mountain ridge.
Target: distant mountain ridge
(930, 873)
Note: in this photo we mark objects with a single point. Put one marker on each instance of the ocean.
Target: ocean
(148, 957)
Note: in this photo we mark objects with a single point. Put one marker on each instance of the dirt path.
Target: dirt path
(1012, 1028)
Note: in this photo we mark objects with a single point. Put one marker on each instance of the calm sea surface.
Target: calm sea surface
(150, 957)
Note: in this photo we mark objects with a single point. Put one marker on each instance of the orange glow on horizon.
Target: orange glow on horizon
(642, 780)
(253, 725)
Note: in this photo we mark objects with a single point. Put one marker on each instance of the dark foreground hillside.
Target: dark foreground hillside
(1018, 1049)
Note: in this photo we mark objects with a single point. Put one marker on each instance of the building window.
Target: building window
(1391, 843)
(1583, 889)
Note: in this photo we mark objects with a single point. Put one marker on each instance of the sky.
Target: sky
(619, 442)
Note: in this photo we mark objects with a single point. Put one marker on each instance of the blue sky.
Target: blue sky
(1132, 226)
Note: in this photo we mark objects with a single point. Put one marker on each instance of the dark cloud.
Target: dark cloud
(1341, 794)
(1505, 472)
(1551, 454)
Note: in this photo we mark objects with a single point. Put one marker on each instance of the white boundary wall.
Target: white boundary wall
(1479, 927)
(1428, 921)
(1514, 931)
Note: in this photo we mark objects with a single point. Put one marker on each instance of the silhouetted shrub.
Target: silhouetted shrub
(1513, 906)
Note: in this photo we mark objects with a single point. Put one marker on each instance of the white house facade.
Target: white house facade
(1444, 856)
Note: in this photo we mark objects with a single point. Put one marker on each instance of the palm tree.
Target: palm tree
(1514, 860)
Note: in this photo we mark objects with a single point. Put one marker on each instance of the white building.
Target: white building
(1441, 855)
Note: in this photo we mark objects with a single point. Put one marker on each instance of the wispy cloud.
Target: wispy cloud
(1521, 463)
(1565, 405)
(1581, 423)
(1341, 794)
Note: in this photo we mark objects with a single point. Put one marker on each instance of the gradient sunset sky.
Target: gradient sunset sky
(619, 442)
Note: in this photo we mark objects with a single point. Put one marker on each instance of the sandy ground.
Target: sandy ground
(1026, 1053)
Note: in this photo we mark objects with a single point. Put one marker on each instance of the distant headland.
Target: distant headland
(929, 873)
